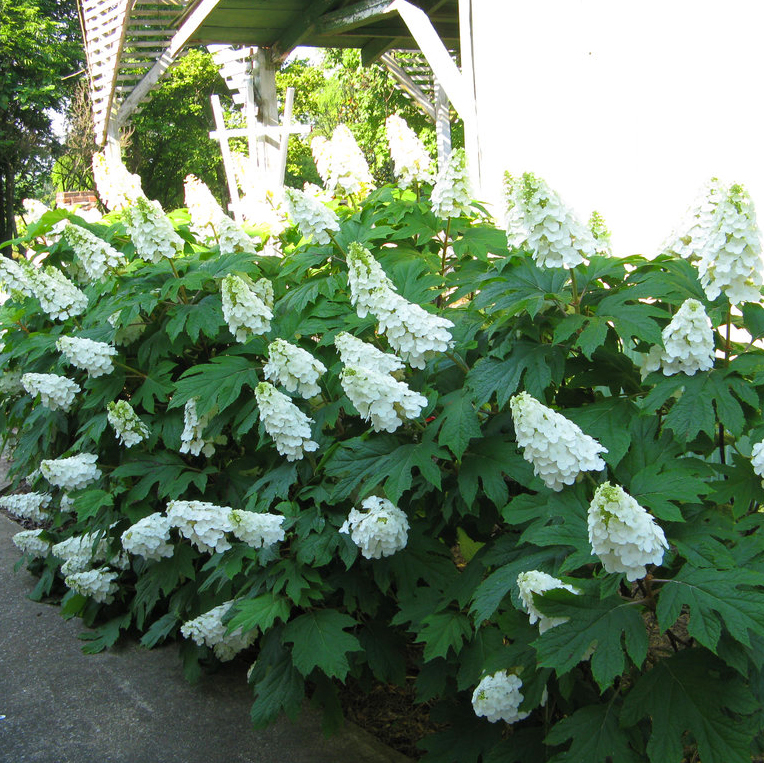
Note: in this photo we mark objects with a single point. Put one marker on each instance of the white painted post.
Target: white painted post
(286, 125)
(230, 173)
(442, 123)
(268, 104)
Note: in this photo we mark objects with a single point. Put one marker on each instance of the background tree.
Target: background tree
(73, 170)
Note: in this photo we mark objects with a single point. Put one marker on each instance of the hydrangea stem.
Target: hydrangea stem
(574, 288)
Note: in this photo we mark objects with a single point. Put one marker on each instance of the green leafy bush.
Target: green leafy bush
(629, 667)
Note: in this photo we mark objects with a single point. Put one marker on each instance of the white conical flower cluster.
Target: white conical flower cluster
(412, 332)
(15, 278)
(341, 164)
(208, 630)
(623, 535)
(125, 335)
(58, 296)
(247, 309)
(535, 581)
(149, 537)
(151, 231)
(731, 261)
(557, 448)
(71, 473)
(56, 392)
(688, 343)
(27, 505)
(379, 398)
(293, 368)
(380, 529)
(192, 437)
(204, 524)
(452, 192)
(33, 210)
(93, 253)
(99, 585)
(538, 219)
(757, 460)
(356, 352)
(79, 552)
(117, 187)
(411, 162)
(130, 430)
(498, 698)
(257, 530)
(310, 214)
(30, 543)
(284, 422)
(88, 355)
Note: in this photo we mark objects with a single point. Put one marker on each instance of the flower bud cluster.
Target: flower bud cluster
(151, 231)
(203, 523)
(412, 163)
(125, 335)
(88, 355)
(380, 529)
(15, 277)
(117, 187)
(284, 422)
(757, 460)
(294, 368)
(191, 438)
(257, 530)
(310, 214)
(58, 296)
(356, 352)
(71, 473)
(30, 543)
(498, 698)
(537, 218)
(56, 392)
(99, 585)
(379, 398)
(535, 581)
(80, 551)
(208, 630)
(623, 535)
(149, 537)
(245, 310)
(93, 253)
(557, 448)
(600, 234)
(31, 506)
(341, 164)
(691, 237)
(130, 430)
(452, 192)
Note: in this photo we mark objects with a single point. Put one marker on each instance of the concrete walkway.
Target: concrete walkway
(131, 705)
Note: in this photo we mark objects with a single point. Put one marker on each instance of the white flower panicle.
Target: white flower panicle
(88, 355)
(130, 430)
(284, 422)
(452, 192)
(601, 235)
(412, 163)
(30, 543)
(244, 310)
(356, 352)
(380, 529)
(15, 278)
(58, 296)
(32, 506)
(310, 214)
(151, 231)
(341, 164)
(294, 368)
(56, 392)
(623, 535)
(232, 238)
(535, 581)
(369, 285)
(498, 698)
(125, 335)
(10, 384)
(203, 208)
(149, 537)
(99, 585)
(557, 448)
(93, 253)
(203, 523)
(731, 261)
(79, 552)
(379, 398)
(257, 530)
(757, 460)
(208, 630)
(688, 342)
(71, 473)
(192, 437)
(33, 210)
(537, 218)
(117, 187)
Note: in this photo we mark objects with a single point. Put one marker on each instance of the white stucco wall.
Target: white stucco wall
(623, 107)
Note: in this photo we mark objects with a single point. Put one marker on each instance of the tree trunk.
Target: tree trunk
(7, 218)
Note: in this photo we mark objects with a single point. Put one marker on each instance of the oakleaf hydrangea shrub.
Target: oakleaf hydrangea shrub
(417, 450)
